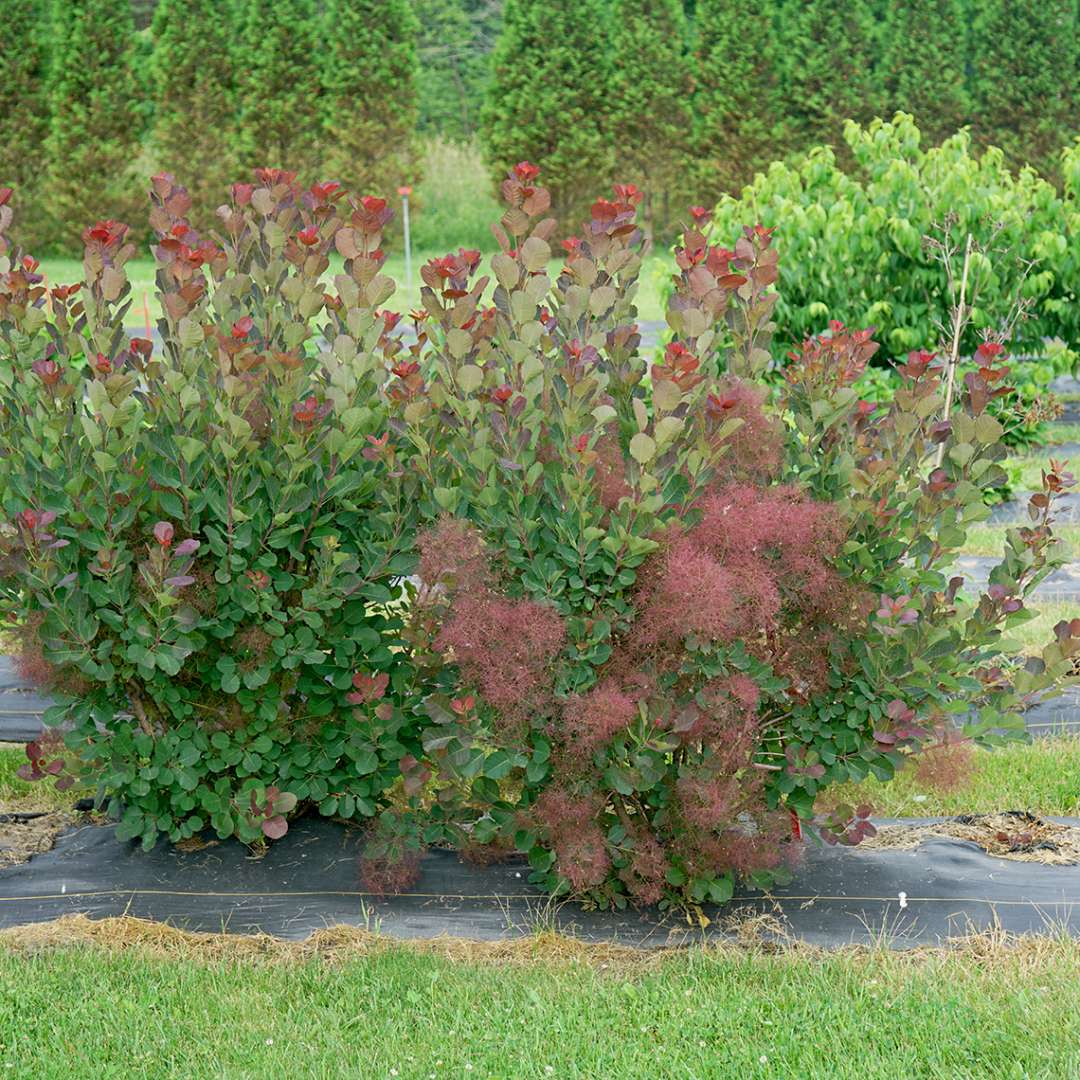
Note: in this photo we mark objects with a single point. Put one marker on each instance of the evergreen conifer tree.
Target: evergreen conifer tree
(280, 57)
(195, 128)
(370, 94)
(828, 68)
(454, 43)
(550, 100)
(924, 55)
(1024, 84)
(24, 117)
(652, 125)
(94, 127)
(739, 114)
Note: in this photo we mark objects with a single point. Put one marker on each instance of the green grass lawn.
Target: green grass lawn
(137, 1002)
(990, 539)
(1042, 777)
(16, 794)
(141, 275)
(705, 1014)
(1062, 433)
(1035, 634)
(1032, 464)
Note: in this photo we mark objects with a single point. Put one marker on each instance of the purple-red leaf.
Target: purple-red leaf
(275, 828)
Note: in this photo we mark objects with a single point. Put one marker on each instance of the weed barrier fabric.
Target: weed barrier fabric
(1015, 510)
(20, 706)
(309, 880)
(1056, 716)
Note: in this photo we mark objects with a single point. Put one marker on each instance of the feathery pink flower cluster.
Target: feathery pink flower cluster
(506, 649)
(574, 835)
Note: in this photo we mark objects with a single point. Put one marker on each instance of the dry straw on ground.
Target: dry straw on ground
(1009, 835)
(22, 837)
(343, 943)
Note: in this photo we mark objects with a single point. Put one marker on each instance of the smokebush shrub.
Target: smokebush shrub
(204, 538)
(853, 242)
(655, 613)
(678, 617)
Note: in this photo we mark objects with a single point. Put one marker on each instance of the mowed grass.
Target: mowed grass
(1034, 635)
(705, 1014)
(60, 271)
(1032, 464)
(1062, 433)
(990, 540)
(1042, 777)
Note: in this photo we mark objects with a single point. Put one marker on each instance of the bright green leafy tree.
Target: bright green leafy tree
(370, 70)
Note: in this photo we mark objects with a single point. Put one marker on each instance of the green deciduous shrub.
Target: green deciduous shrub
(853, 249)
(676, 616)
(205, 538)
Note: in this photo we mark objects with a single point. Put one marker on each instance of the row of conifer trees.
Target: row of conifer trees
(686, 98)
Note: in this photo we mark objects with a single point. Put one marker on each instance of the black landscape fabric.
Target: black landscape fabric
(309, 880)
(20, 706)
